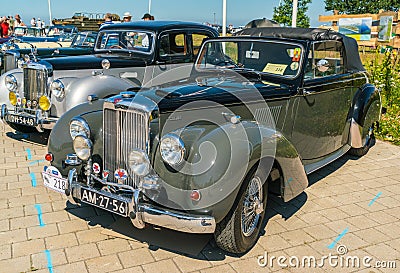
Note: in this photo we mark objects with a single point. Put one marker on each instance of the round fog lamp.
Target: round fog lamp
(139, 162)
(44, 103)
(13, 98)
(83, 147)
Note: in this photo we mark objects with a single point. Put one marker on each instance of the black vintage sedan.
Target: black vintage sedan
(259, 112)
(82, 44)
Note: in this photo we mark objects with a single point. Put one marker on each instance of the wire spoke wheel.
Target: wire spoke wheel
(252, 206)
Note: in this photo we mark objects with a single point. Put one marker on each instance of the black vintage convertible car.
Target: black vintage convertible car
(259, 112)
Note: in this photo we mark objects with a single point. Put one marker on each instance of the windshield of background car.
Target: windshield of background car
(83, 40)
(19, 31)
(276, 58)
(129, 40)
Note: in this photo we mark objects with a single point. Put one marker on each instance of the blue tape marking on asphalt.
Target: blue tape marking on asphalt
(338, 238)
(373, 200)
(36, 161)
(33, 179)
(49, 263)
(39, 210)
(28, 151)
(289, 180)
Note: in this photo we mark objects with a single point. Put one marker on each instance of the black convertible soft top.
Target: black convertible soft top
(353, 61)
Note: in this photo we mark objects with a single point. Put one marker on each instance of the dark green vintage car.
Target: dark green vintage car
(259, 112)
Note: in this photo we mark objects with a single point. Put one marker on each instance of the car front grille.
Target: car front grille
(10, 62)
(123, 131)
(35, 82)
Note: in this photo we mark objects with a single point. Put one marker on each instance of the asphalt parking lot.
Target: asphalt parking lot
(351, 209)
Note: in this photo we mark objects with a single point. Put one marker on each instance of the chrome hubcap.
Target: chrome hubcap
(252, 206)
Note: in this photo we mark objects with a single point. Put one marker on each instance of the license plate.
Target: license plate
(105, 202)
(54, 182)
(28, 121)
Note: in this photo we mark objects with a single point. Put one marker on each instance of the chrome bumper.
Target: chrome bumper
(41, 123)
(141, 213)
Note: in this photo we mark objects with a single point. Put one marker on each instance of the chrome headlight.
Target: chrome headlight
(57, 89)
(105, 64)
(20, 62)
(83, 147)
(172, 149)
(139, 162)
(11, 82)
(79, 126)
(27, 58)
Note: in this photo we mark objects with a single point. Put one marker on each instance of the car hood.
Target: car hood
(223, 91)
(92, 62)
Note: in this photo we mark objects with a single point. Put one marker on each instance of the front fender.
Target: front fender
(60, 142)
(78, 89)
(217, 161)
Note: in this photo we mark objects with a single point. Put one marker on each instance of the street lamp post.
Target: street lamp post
(149, 6)
(294, 13)
(51, 21)
(224, 18)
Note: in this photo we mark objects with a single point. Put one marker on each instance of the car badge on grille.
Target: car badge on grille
(96, 168)
(105, 174)
(120, 174)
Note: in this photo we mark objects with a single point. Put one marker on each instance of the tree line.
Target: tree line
(283, 12)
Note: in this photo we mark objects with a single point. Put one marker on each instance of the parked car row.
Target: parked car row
(170, 125)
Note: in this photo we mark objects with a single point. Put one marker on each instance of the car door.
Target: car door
(323, 108)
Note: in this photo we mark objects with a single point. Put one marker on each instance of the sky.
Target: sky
(239, 12)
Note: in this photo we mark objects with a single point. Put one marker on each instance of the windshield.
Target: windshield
(19, 31)
(83, 40)
(276, 58)
(130, 40)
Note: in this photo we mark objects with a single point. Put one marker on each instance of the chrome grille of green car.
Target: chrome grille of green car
(123, 131)
(35, 82)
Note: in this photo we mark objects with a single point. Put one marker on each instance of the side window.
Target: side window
(325, 59)
(197, 40)
(173, 44)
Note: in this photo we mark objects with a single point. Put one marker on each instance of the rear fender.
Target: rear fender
(365, 112)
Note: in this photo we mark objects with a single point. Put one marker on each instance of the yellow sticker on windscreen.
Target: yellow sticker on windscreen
(275, 68)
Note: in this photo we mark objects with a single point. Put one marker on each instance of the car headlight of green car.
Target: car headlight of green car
(78, 126)
(172, 149)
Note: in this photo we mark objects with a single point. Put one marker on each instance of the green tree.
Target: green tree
(361, 7)
(283, 13)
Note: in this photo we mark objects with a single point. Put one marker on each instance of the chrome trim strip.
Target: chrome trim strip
(355, 134)
(322, 163)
